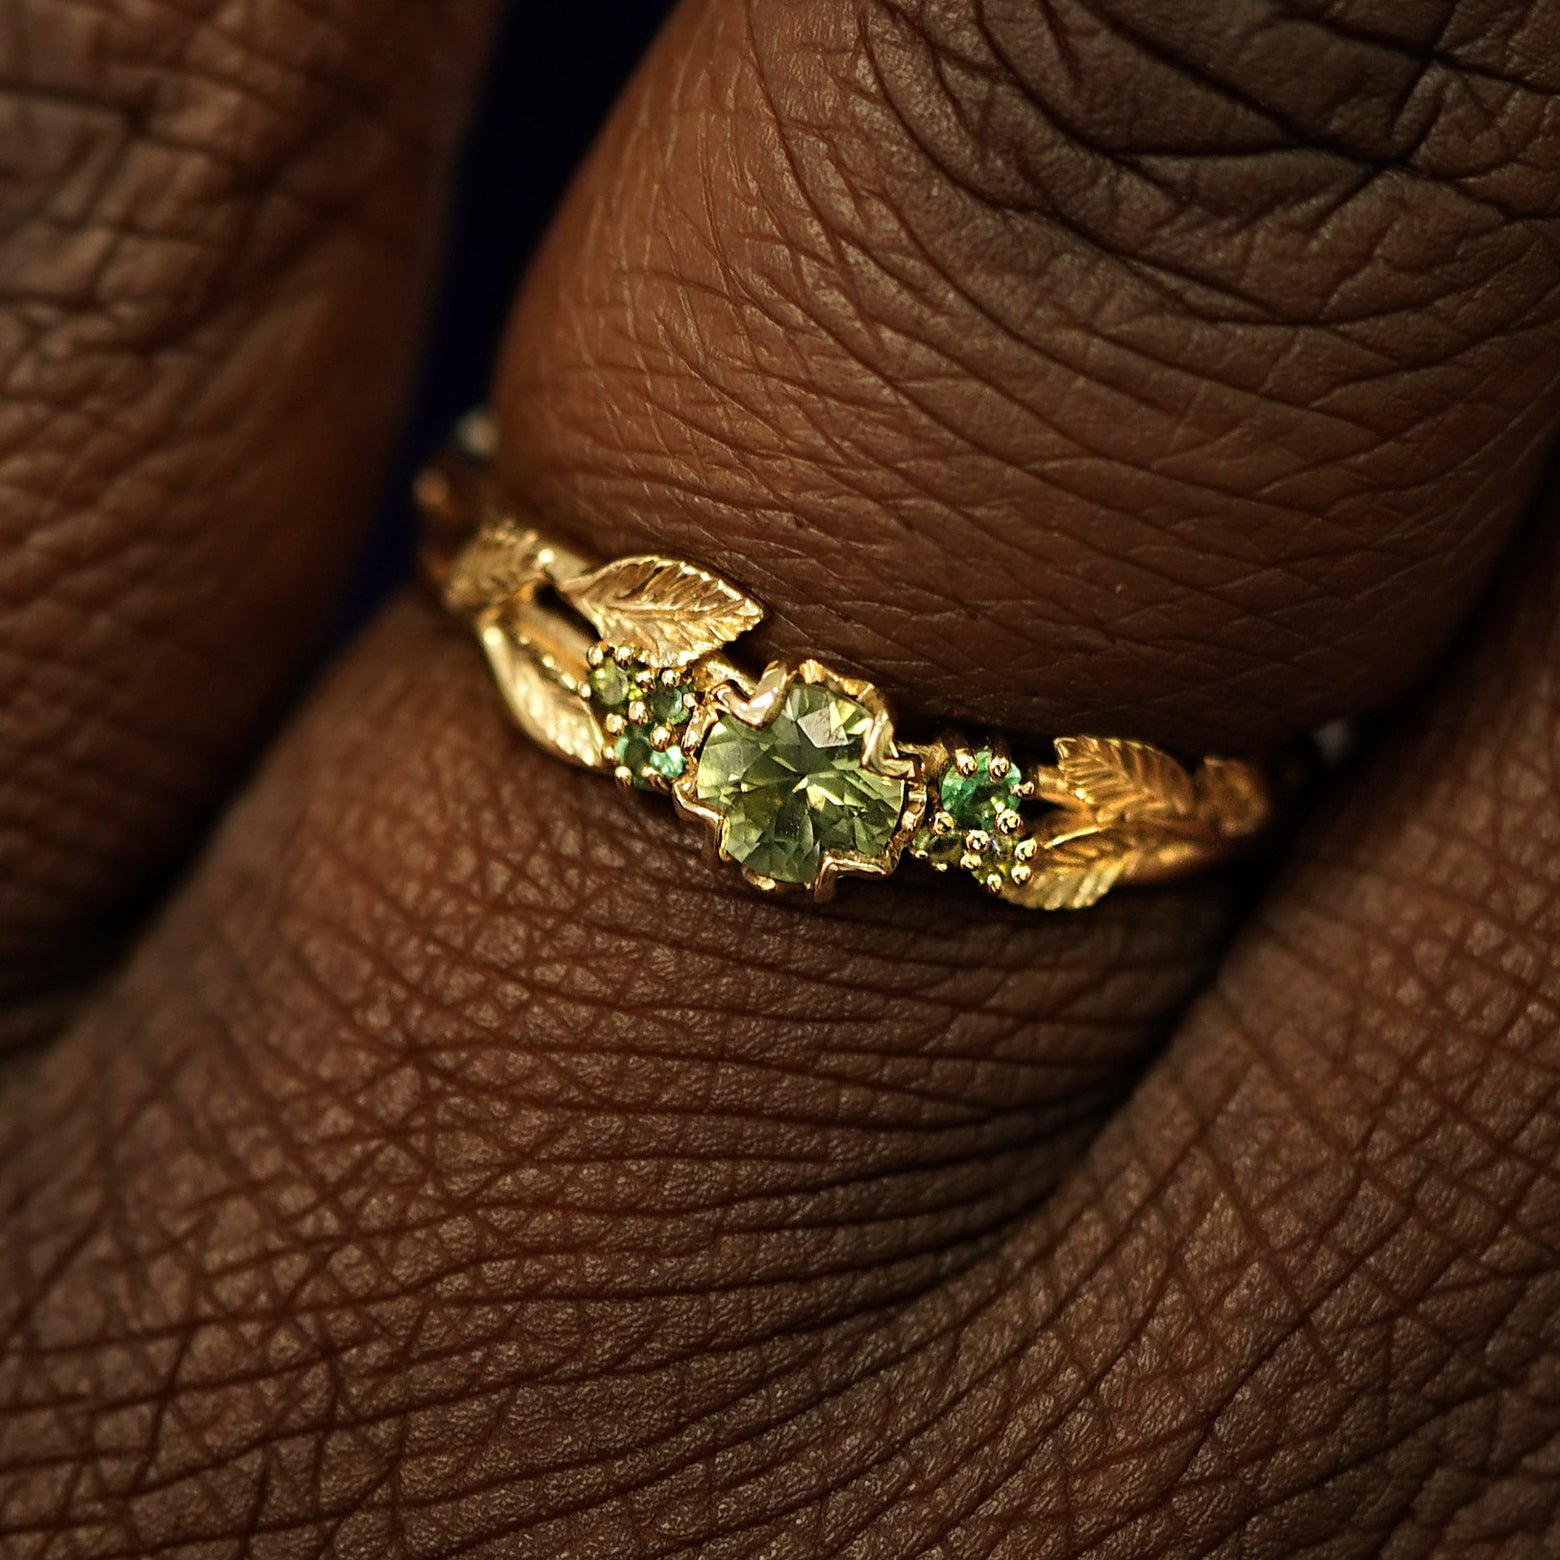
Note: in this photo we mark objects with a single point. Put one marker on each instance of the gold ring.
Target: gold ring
(799, 774)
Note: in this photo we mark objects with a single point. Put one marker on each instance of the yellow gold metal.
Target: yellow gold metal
(1107, 811)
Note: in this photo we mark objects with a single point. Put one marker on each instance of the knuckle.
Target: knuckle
(1138, 316)
(1203, 150)
(207, 214)
(165, 159)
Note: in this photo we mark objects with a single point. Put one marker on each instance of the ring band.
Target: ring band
(799, 773)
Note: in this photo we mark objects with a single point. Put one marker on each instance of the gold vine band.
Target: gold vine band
(798, 773)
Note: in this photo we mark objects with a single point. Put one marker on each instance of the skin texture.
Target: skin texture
(1067, 363)
(208, 212)
(459, 1167)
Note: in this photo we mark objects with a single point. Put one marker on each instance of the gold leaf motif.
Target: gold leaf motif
(1122, 780)
(667, 611)
(498, 565)
(546, 710)
(1234, 796)
(1079, 870)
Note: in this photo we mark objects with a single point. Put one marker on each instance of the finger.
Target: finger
(1175, 370)
(1302, 1295)
(215, 238)
(526, 1186)
(457, 1071)
(458, 1160)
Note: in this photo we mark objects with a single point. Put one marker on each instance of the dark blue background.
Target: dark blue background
(554, 74)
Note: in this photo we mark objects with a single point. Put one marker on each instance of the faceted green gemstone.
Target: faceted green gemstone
(610, 685)
(795, 790)
(975, 799)
(669, 705)
(670, 764)
(940, 849)
(997, 863)
(633, 750)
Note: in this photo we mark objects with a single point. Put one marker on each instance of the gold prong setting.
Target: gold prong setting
(644, 711)
(804, 754)
(974, 818)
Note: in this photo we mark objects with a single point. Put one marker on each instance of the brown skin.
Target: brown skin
(460, 1168)
(209, 215)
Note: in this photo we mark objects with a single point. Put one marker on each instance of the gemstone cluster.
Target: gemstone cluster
(644, 713)
(973, 819)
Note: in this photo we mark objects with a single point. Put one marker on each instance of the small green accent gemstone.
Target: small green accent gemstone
(939, 849)
(997, 861)
(633, 748)
(634, 752)
(670, 764)
(610, 685)
(974, 800)
(796, 789)
(669, 705)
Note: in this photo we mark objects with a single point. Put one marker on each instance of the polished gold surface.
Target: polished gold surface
(641, 698)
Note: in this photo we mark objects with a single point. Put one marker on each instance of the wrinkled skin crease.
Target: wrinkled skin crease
(459, 1167)
(206, 220)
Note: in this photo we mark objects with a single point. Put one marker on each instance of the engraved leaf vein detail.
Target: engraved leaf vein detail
(1123, 781)
(1077, 871)
(668, 611)
(500, 564)
(546, 709)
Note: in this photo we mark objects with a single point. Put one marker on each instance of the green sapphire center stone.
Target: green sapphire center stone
(795, 790)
